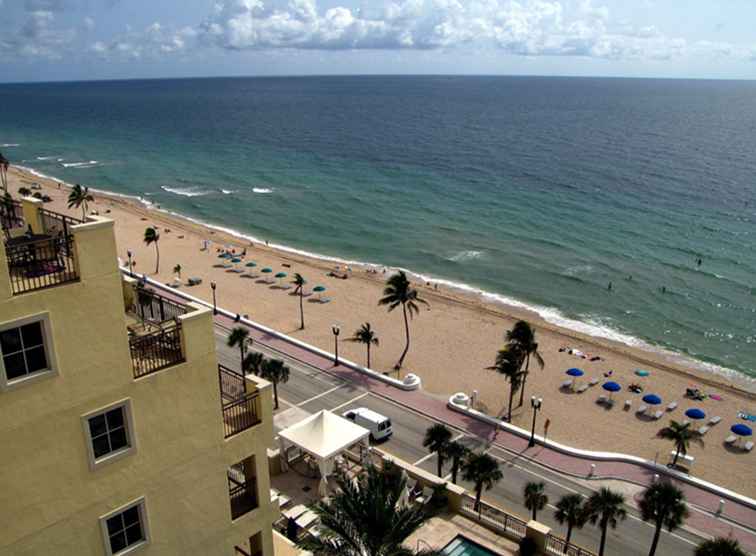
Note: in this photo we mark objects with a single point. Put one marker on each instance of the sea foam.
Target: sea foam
(186, 191)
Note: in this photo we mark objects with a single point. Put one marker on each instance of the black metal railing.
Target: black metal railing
(239, 407)
(11, 214)
(240, 551)
(153, 307)
(557, 545)
(54, 223)
(243, 495)
(35, 264)
(494, 517)
(156, 350)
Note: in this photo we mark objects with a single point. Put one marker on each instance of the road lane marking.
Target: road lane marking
(350, 401)
(300, 404)
(424, 458)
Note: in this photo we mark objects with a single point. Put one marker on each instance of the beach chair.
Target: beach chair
(425, 496)
(641, 408)
(628, 404)
(748, 446)
(602, 399)
(566, 384)
(583, 388)
(730, 439)
(594, 381)
(703, 430)
(715, 420)
(658, 414)
(325, 300)
(671, 406)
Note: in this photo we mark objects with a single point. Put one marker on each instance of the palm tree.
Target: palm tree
(364, 517)
(399, 291)
(569, 510)
(456, 452)
(275, 371)
(663, 504)
(80, 197)
(523, 334)
(239, 336)
(535, 498)
(4, 163)
(682, 435)
(607, 509)
(151, 235)
(252, 363)
(177, 270)
(299, 282)
(509, 363)
(365, 335)
(483, 471)
(437, 439)
(720, 547)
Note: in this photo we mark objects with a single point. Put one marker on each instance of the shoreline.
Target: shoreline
(465, 295)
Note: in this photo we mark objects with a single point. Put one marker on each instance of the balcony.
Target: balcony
(242, 487)
(240, 406)
(154, 332)
(43, 256)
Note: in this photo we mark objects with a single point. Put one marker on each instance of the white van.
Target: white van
(378, 425)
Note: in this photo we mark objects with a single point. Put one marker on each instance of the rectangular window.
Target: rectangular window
(24, 350)
(125, 529)
(109, 433)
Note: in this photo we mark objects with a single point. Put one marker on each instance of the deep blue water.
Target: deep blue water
(539, 190)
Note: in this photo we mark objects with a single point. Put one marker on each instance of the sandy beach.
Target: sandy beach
(453, 340)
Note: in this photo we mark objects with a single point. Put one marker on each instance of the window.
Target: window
(24, 348)
(125, 529)
(109, 433)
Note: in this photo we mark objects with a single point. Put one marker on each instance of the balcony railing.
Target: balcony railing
(243, 495)
(239, 407)
(11, 214)
(54, 223)
(557, 545)
(150, 306)
(37, 261)
(153, 351)
(240, 551)
(494, 517)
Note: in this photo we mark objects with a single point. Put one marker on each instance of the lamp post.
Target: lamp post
(336, 329)
(129, 254)
(535, 403)
(213, 285)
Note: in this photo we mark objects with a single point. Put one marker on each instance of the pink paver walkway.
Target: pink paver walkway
(436, 408)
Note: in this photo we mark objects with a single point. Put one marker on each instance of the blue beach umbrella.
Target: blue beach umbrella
(319, 289)
(741, 430)
(251, 264)
(695, 413)
(236, 260)
(642, 372)
(611, 387)
(652, 399)
(266, 270)
(575, 372)
(280, 275)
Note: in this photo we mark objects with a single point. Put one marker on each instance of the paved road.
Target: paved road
(313, 390)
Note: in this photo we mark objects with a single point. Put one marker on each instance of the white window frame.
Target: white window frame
(95, 463)
(143, 518)
(52, 367)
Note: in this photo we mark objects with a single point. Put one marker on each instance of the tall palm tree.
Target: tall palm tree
(483, 471)
(399, 291)
(523, 334)
(569, 510)
(720, 547)
(152, 236)
(4, 163)
(456, 452)
(664, 505)
(300, 282)
(535, 498)
(364, 517)
(274, 371)
(239, 336)
(177, 270)
(681, 435)
(509, 363)
(252, 363)
(365, 335)
(606, 508)
(80, 197)
(437, 439)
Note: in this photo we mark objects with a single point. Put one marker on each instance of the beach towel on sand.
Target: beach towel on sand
(746, 416)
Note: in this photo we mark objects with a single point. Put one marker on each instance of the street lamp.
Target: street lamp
(535, 403)
(213, 285)
(336, 329)
(129, 254)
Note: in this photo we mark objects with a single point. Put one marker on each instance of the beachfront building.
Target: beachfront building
(119, 431)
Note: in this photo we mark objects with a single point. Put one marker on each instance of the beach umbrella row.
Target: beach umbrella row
(741, 430)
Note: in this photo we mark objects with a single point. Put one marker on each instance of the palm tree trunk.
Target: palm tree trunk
(275, 393)
(534, 513)
(657, 533)
(677, 455)
(569, 535)
(511, 399)
(407, 336)
(603, 539)
(241, 351)
(368, 355)
(440, 463)
(524, 379)
(301, 310)
(478, 492)
(157, 260)
(455, 469)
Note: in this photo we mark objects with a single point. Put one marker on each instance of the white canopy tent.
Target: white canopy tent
(323, 435)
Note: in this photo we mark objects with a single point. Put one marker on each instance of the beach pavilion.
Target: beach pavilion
(323, 436)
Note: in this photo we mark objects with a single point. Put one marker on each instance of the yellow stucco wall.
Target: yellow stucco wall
(50, 499)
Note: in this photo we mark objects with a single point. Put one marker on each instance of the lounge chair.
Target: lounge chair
(671, 406)
(602, 399)
(583, 388)
(715, 420)
(748, 446)
(325, 300)
(641, 408)
(628, 404)
(658, 414)
(703, 430)
(566, 384)
(425, 496)
(594, 381)
(730, 439)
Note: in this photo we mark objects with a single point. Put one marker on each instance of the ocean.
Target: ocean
(540, 192)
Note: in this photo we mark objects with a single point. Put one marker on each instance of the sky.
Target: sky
(51, 40)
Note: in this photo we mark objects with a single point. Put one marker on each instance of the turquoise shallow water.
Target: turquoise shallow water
(538, 191)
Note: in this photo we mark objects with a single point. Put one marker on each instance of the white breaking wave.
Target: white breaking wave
(228, 191)
(261, 190)
(186, 192)
(85, 164)
(465, 256)
(10, 145)
(49, 158)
